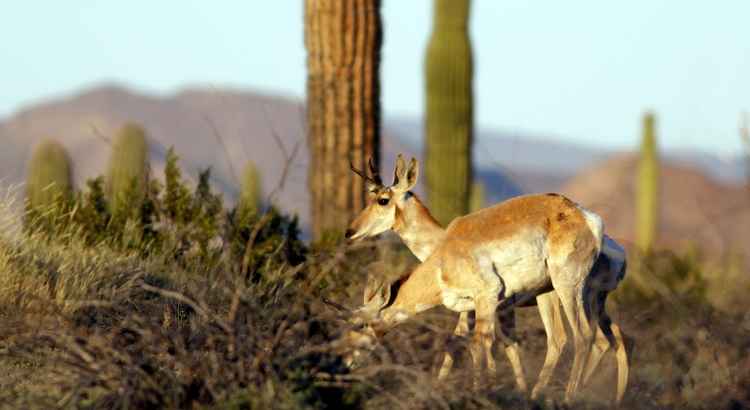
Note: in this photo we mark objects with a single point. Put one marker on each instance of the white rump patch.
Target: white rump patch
(595, 224)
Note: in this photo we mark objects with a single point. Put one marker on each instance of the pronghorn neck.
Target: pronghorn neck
(414, 293)
(417, 228)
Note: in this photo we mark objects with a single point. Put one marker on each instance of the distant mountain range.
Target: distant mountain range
(520, 153)
(223, 129)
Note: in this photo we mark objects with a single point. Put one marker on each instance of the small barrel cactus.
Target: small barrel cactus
(127, 179)
(49, 178)
(250, 190)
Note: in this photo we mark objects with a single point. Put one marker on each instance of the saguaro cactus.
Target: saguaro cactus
(49, 176)
(647, 196)
(449, 116)
(127, 179)
(343, 40)
(250, 191)
(745, 137)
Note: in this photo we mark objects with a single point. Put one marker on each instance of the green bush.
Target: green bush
(276, 242)
(666, 275)
(93, 211)
(176, 201)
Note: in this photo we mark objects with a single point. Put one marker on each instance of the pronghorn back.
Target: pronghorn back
(557, 216)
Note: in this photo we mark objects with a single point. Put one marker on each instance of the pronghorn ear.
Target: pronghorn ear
(405, 177)
(398, 172)
(412, 173)
(377, 293)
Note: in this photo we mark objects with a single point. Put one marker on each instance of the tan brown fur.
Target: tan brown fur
(505, 219)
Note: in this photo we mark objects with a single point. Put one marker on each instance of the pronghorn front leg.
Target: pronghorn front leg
(484, 335)
(507, 319)
(512, 348)
(462, 329)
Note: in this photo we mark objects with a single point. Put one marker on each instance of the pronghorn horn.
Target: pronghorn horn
(375, 179)
(374, 172)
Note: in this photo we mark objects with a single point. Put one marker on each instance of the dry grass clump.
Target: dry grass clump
(130, 334)
(148, 359)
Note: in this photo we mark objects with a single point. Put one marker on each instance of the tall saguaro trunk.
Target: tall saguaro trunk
(449, 117)
(343, 40)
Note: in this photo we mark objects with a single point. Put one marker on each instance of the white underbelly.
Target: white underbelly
(500, 269)
(519, 266)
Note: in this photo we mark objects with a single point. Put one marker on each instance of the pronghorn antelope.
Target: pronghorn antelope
(396, 208)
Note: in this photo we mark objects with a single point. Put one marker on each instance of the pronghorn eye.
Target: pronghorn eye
(383, 201)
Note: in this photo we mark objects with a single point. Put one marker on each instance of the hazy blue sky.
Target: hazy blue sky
(575, 70)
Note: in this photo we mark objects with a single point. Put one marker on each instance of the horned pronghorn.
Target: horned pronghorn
(522, 242)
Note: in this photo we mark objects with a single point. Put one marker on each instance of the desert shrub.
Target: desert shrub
(92, 211)
(176, 201)
(263, 242)
(190, 223)
(665, 275)
(234, 346)
(208, 209)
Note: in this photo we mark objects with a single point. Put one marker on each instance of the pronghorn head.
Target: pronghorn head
(364, 323)
(383, 201)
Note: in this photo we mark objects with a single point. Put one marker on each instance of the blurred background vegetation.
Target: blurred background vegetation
(172, 252)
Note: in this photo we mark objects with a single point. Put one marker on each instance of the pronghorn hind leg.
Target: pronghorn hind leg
(572, 301)
(608, 335)
(507, 318)
(623, 368)
(462, 329)
(549, 310)
(603, 339)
